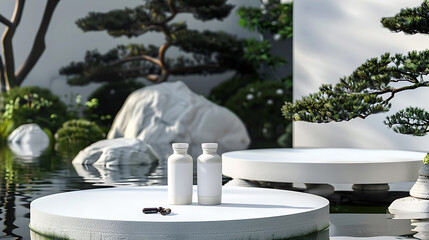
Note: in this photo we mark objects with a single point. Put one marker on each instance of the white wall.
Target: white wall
(331, 39)
(66, 42)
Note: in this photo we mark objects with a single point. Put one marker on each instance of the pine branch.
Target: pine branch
(411, 121)
(361, 94)
(409, 20)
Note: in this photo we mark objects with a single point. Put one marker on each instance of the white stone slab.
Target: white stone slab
(323, 165)
(116, 213)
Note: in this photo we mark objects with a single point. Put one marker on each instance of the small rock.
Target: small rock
(119, 151)
(28, 140)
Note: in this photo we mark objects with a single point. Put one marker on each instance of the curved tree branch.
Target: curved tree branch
(4, 20)
(2, 77)
(137, 58)
(39, 43)
(8, 47)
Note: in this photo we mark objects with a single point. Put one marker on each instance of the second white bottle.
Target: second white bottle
(209, 175)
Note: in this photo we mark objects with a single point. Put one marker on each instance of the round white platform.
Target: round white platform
(116, 213)
(323, 165)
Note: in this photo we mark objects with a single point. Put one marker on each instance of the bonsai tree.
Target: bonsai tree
(205, 52)
(9, 77)
(372, 86)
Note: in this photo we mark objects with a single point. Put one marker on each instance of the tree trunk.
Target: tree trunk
(39, 43)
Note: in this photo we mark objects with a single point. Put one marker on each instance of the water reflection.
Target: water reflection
(419, 222)
(129, 175)
(368, 225)
(28, 151)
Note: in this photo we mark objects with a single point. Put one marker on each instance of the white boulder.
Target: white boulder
(171, 112)
(119, 151)
(28, 140)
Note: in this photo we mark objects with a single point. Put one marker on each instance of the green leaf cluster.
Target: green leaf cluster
(426, 159)
(133, 22)
(76, 134)
(409, 20)
(328, 105)
(368, 90)
(273, 17)
(6, 127)
(108, 67)
(411, 121)
(33, 105)
(259, 52)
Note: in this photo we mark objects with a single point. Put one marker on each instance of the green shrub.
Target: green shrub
(426, 159)
(258, 105)
(33, 105)
(6, 127)
(77, 134)
(222, 92)
(110, 98)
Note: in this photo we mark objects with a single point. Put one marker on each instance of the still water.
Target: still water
(23, 179)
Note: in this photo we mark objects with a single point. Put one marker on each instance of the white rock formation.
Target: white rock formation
(28, 141)
(419, 199)
(119, 151)
(170, 112)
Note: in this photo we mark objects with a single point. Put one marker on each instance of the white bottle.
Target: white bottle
(180, 175)
(209, 175)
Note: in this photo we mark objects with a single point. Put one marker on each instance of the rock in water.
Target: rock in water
(28, 140)
(119, 151)
(170, 112)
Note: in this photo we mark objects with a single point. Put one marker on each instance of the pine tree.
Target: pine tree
(204, 52)
(372, 86)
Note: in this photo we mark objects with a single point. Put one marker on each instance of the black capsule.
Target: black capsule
(150, 210)
(165, 211)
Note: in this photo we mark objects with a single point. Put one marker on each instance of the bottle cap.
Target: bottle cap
(209, 145)
(180, 145)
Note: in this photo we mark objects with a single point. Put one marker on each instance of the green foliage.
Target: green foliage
(134, 22)
(6, 127)
(205, 52)
(426, 159)
(273, 16)
(262, 99)
(411, 121)
(259, 52)
(222, 92)
(409, 20)
(106, 67)
(327, 106)
(105, 109)
(77, 134)
(361, 94)
(33, 105)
